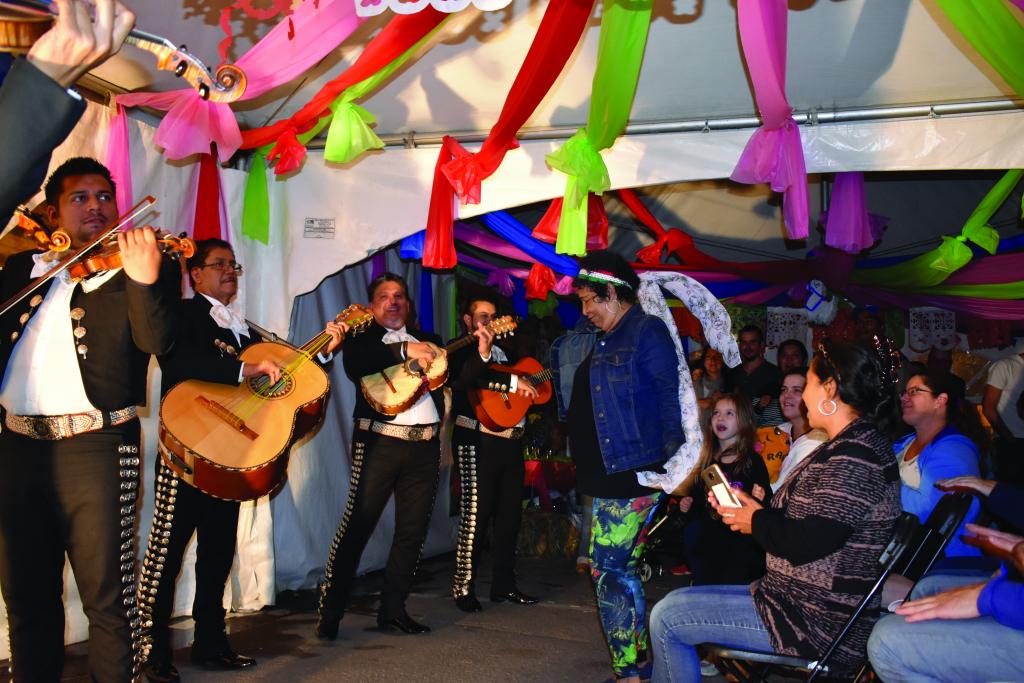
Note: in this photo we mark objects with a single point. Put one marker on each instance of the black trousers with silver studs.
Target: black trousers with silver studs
(180, 511)
(382, 465)
(75, 496)
(491, 475)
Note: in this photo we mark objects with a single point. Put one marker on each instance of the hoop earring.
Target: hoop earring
(821, 409)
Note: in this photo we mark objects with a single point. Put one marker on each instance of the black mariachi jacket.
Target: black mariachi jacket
(195, 354)
(125, 323)
(364, 354)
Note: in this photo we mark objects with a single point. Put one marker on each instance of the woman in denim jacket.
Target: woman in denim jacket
(623, 417)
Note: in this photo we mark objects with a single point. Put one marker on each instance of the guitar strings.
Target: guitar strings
(263, 391)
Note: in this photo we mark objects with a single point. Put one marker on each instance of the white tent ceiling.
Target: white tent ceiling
(842, 54)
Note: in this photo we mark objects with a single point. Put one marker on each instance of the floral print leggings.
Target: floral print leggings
(618, 537)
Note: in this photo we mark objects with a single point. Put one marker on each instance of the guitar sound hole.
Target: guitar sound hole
(261, 386)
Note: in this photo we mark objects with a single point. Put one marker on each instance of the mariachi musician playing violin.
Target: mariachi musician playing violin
(74, 358)
(213, 332)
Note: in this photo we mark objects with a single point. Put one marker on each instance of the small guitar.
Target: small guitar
(232, 441)
(396, 389)
(500, 410)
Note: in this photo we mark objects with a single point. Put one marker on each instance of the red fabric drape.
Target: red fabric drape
(206, 222)
(401, 33)
(556, 39)
(597, 223)
(539, 282)
(681, 244)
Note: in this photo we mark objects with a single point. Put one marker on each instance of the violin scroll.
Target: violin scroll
(31, 223)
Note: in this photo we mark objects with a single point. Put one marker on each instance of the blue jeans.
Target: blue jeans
(687, 617)
(979, 649)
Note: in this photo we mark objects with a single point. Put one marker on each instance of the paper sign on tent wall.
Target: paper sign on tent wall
(369, 8)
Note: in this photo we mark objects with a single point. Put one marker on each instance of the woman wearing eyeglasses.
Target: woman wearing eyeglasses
(823, 533)
(945, 443)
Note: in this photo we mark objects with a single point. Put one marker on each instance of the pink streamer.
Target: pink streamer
(848, 225)
(476, 237)
(990, 309)
(990, 270)
(501, 278)
(1019, 4)
(192, 124)
(774, 153)
(119, 161)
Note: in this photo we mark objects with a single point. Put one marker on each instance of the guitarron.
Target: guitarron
(232, 442)
(396, 389)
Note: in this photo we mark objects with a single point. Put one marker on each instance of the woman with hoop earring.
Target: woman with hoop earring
(823, 532)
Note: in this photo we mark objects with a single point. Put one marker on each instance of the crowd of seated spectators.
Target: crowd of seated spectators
(852, 453)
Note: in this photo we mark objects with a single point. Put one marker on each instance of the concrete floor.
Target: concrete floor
(558, 639)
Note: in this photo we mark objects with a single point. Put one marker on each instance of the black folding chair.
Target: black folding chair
(761, 663)
(932, 538)
(913, 550)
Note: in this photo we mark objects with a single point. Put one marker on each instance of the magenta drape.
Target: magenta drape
(191, 123)
(774, 153)
(848, 224)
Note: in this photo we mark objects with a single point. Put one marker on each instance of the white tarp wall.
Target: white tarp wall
(382, 198)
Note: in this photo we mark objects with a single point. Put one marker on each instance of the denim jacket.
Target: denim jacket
(567, 352)
(634, 389)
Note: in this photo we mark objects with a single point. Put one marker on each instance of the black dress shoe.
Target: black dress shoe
(468, 603)
(514, 595)
(160, 672)
(222, 660)
(327, 621)
(402, 623)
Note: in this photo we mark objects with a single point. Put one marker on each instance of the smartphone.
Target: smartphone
(716, 482)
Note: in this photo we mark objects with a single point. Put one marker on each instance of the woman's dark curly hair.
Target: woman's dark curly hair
(858, 373)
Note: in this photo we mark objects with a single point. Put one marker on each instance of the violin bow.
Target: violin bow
(133, 212)
(224, 85)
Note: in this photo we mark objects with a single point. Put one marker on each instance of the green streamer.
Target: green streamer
(933, 267)
(256, 207)
(620, 52)
(350, 134)
(995, 33)
(349, 137)
(1009, 291)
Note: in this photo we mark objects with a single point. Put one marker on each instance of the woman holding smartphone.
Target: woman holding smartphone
(623, 417)
(823, 532)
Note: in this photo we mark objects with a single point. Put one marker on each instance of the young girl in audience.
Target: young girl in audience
(715, 554)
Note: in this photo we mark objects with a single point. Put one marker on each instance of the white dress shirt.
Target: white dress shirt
(423, 412)
(43, 376)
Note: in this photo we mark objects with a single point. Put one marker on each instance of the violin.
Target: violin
(101, 240)
(23, 22)
(108, 257)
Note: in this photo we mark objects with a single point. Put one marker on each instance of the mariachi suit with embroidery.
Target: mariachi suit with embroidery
(203, 351)
(382, 465)
(78, 494)
(491, 474)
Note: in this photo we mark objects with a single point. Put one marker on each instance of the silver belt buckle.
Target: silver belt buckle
(43, 429)
(416, 433)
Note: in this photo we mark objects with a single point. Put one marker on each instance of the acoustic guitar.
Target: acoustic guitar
(395, 389)
(231, 441)
(500, 410)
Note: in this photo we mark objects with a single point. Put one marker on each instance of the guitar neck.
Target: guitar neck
(459, 343)
(539, 377)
